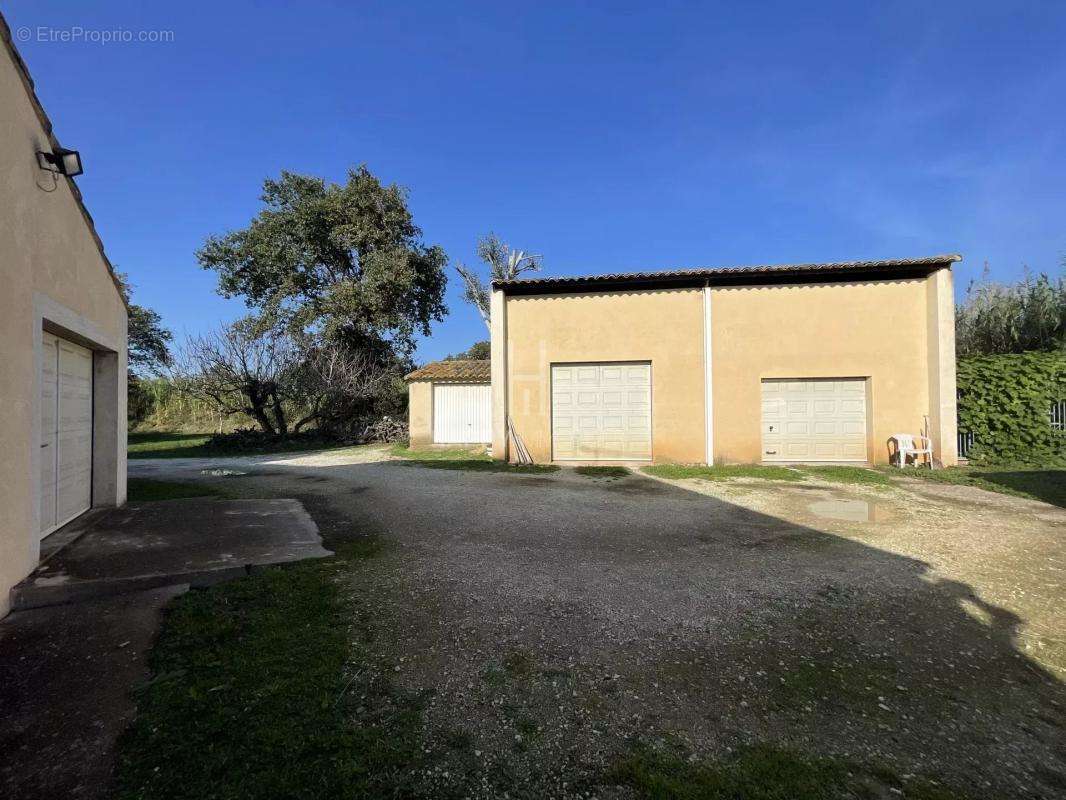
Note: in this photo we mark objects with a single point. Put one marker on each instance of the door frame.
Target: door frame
(108, 481)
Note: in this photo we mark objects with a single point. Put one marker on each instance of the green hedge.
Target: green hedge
(1005, 400)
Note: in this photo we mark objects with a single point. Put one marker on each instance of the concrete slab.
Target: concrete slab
(65, 675)
(197, 541)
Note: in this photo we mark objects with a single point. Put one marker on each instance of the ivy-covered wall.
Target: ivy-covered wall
(1004, 400)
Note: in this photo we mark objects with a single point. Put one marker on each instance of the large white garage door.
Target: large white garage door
(66, 431)
(601, 412)
(462, 413)
(814, 420)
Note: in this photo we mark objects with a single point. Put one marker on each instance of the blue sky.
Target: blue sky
(607, 136)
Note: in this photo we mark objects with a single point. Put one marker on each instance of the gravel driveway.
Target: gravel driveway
(553, 620)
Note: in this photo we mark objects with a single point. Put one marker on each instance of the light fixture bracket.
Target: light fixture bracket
(61, 161)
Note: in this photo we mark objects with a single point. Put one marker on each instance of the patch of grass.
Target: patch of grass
(842, 474)
(494, 675)
(160, 444)
(259, 692)
(602, 472)
(519, 663)
(168, 444)
(724, 472)
(440, 454)
(358, 549)
(855, 684)
(760, 772)
(141, 489)
(459, 740)
(1047, 484)
(469, 460)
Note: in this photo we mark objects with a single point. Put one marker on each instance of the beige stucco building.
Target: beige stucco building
(62, 341)
(450, 402)
(792, 363)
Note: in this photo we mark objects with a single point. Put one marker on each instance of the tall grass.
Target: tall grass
(156, 404)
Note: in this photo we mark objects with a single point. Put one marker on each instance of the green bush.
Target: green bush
(1005, 402)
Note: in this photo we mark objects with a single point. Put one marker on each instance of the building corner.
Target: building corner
(943, 426)
(498, 353)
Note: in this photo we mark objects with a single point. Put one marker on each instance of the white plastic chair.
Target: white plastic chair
(909, 445)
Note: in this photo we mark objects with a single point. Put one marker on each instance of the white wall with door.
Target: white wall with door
(462, 413)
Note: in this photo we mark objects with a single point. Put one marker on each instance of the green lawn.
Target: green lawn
(472, 459)
(831, 472)
(763, 772)
(725, 472)
(160, 444)
(168, 444)
(139, 489)
(258, 692)
(1047, 484)
(842, 474)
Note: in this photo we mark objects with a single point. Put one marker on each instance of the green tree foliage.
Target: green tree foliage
(345, 261)
(147, 353)
(148, 345)
(1005, 401)
(1012, 318)
(479, 351)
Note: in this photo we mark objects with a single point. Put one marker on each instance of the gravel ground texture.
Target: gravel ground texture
(553, 621)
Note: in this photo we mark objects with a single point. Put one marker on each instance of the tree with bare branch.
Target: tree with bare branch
(339, 385)
(503, 263)
(242, 368)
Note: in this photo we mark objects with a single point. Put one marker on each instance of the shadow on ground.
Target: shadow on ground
(1047, 485)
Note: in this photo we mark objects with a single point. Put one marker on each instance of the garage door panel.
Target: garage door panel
(814, 420)
(49, 420)
(609, 418)
(462, 413)
(66, 444)
(854, 451)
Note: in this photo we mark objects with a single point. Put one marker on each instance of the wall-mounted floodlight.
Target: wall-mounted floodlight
(63, 161)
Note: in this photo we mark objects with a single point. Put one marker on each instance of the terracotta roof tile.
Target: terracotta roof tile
(467, 371)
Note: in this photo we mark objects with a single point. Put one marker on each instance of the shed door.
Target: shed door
(814, 420)
(601, 412)
(462, 413)
(66, 431)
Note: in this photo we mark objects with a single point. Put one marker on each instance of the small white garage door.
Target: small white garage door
(66, 431)
(814, 420)
(601, 412)
(462, 413)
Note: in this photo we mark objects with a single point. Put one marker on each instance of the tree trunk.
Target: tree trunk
(279, 415)
(257, 400)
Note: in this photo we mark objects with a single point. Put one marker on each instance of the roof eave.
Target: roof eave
(813, 273)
